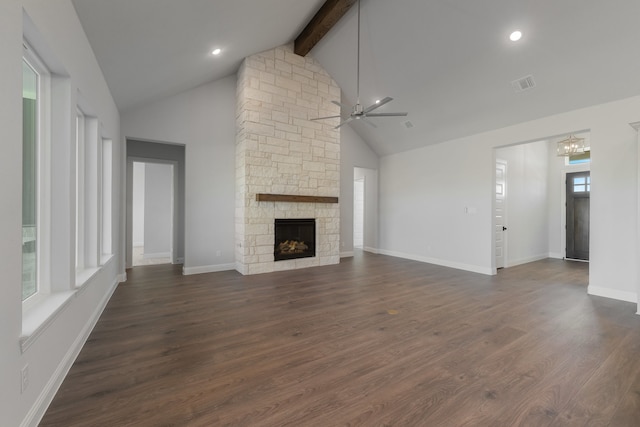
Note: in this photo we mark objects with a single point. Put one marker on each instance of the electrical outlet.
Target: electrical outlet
(24, 376)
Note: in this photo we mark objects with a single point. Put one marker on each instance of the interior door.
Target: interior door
(577, 225)
(500, 211)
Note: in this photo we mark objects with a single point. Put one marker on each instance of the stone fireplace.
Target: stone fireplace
(280, 152)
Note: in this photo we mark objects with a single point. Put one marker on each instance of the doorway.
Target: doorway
(578, 191)
(157, 153)
(358, 213)
(365, 210)
(153, 201)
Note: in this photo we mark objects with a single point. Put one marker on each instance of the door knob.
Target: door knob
(504, 228)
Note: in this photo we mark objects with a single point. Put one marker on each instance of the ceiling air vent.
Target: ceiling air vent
(407, 124)
(524, 83)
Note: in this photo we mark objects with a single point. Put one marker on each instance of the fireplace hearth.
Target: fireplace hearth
(294, 238)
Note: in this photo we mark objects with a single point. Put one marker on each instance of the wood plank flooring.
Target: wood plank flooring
(374, 341)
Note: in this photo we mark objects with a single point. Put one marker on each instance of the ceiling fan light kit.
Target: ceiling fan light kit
(358, 112)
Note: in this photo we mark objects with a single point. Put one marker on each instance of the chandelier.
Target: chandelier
(571, 146)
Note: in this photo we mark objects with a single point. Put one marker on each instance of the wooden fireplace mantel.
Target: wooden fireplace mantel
(263, 197)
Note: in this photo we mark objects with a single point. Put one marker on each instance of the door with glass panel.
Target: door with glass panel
(577, 224)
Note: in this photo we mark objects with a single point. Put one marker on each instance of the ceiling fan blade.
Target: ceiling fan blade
(377, 104)
(327, 117)
(339, 104)
(386, 114)
(344, 122)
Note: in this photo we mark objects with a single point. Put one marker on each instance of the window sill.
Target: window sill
(37, 318)
(105, 258)
(84, 276)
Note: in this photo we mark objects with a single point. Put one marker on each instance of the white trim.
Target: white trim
(346, 254)
(613, 294)
(443, 263)
(577, 260)
(208, 269)
(636, 126)
(526, 260)
(122, 277)
(555, 255)
(38, 409)
(38, 318)
(370, 249)
(105, 258)
(157, 255)
(238, 266)
(84, 276)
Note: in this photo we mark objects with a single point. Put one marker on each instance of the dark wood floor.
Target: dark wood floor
(374, 341)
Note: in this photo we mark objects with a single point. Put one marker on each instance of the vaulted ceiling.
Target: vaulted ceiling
(449, 63)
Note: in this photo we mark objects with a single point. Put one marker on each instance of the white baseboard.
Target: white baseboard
(613, 294)
(208, 269)
(555, 255)
(444, 263)
(122, 277)
(39, 408)
(372, 250)
(527, 260)
(346, 254)
(157, 255)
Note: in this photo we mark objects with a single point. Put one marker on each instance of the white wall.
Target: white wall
(138, 203)
(204, 120)
(158, 200)
(354, 152)
(434, 184)
(52, 351)
(527, 204)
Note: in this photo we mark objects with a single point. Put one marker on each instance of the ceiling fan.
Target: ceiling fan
(358, 112)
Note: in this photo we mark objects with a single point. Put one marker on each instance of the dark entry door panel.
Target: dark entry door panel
(578, 192)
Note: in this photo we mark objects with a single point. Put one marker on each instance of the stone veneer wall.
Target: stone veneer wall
(280, 151)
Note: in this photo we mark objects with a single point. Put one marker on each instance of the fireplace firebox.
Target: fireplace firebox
(295, 238)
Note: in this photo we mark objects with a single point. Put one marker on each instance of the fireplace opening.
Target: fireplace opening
(295, 238)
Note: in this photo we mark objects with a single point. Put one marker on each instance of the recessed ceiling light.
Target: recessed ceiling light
(515, 36)
(377, 101)
(216, 51)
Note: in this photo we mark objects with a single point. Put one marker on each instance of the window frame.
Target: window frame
(43, 168)
(88, 165)
(80, 191)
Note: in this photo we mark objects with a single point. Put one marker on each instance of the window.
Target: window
(30, 175)
(582, 184)
(580, 158)
(80, 137)
(88, 186)
(35, 173)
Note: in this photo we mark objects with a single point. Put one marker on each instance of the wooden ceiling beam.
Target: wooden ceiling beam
(328, 15)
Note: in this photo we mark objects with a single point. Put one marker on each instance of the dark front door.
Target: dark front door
(578, 191)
